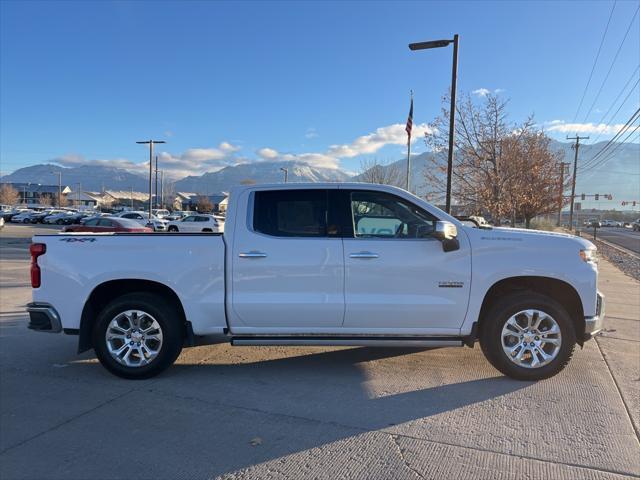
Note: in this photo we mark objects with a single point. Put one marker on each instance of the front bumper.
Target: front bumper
(43, 318)
(593, 325)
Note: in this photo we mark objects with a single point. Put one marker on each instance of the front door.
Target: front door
(396, 273)
(288, 268)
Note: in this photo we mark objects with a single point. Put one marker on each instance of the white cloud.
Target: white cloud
(267, 153)
(366, 144)
(311, 133)
(483, 92)
(196, 161)
(601, 128)
(390, 135)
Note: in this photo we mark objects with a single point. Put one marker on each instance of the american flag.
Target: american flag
(410, 119)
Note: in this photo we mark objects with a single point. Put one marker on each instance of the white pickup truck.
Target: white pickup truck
(321, 264)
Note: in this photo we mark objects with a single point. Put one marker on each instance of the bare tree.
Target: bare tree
(203, 204)
(46, 200)
(373, 171)
(496, 162)
(8, 195)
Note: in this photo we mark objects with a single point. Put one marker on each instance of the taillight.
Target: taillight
(36, 250)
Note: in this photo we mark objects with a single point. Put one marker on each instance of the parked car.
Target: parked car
(38, 217)
(594, 222)
(608, 223)
(22, 217)
(197, 223)
(59, 218)
(160, 212)
(1, 223)
(142, 218)
(108, 224)
(75, 218)
(322, 264)
(177, 215)
(636, 225)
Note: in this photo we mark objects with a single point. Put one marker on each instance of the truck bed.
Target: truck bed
(75, 264)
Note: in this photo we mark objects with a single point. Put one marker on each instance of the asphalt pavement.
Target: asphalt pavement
(622, 237)
(283, 412)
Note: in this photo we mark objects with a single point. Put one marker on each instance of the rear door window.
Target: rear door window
(291, 213)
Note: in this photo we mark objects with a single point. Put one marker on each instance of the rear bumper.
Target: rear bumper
(593, 325)
(43, 318)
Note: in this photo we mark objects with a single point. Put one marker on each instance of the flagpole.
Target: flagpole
(408, 160)
(409, 128)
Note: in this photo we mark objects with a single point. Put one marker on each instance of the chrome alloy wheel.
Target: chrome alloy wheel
(531, 338)
(134, 338)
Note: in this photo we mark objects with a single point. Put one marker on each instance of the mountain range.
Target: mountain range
(620, 177)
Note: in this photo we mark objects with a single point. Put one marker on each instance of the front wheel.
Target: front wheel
(527, 336)
(172, 228)
(138, 335)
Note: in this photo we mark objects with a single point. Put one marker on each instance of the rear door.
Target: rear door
(396, 274)
(288, 268)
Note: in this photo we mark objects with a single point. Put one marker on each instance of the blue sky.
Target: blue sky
(227, 82)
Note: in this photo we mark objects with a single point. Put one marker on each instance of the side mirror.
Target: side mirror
(447, 233)
(445, 230)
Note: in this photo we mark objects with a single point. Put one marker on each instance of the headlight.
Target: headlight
(589, 255)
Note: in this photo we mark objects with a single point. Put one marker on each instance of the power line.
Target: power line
(606, 29)
(602, 120)
(609, 155)
(610, 142)
(612, 64)
(595, 170)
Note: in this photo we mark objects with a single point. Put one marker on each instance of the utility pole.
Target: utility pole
(131, 196)
(156, 181)
(151, 143)
(78, 194)
(286, 173)
(576, 147)
(161, 188)
(59, 189)
(561, 194)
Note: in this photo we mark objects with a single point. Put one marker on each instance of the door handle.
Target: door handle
(364, 255)
(252, 254)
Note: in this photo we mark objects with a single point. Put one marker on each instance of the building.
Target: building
(83, 199)
(189, 201)
(122, 199)
(35, 194)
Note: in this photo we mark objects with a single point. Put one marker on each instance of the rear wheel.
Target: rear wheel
(172, 228)
(60, 222)
(138, 335)
(527, 336)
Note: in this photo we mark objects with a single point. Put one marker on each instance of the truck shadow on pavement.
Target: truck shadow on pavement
(310, 400)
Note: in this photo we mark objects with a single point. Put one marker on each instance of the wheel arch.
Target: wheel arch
(559, 290)
(109, 290)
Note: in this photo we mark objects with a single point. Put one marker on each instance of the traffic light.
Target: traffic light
(597, 196)
(582, 197)
(610, 197)
(634, 203)
(624, 203)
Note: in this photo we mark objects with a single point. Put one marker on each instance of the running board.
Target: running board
(361, 341)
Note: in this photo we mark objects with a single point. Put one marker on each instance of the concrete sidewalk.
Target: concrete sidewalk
(619, 343)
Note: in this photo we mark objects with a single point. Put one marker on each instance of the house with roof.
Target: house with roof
(36, 194)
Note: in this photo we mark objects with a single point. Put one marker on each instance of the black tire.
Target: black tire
(172, 228)
(26, 220)
(60, 221)
(207, 230)
(167, 316)
(507, 306)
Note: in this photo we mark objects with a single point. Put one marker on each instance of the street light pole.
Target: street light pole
(452, 110)
(286, 173)
(151, 143)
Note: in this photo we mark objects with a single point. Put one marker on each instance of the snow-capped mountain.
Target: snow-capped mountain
(258, 172)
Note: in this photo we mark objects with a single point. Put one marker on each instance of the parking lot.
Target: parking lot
(276, 412)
